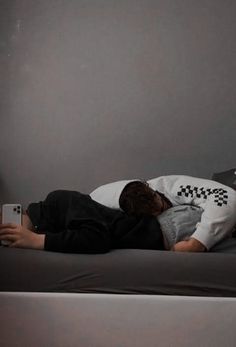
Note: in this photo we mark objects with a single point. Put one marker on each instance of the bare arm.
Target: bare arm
(21, 237)
(191, 245)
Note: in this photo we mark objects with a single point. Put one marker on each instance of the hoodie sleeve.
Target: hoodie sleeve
(217, 221)
(81, 236)
(219, 209)
(217, 201)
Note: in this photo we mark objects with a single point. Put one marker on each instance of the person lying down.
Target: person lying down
(218, 203)
(71, 222)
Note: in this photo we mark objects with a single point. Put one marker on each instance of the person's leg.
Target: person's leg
(178, 223)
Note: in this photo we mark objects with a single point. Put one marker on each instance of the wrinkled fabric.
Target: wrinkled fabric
(179, 223)
(73, 223)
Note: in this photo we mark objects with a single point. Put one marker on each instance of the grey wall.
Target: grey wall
(100, 90)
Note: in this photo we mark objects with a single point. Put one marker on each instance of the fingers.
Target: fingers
(9, 225)
(10, 238)
(13, 244)
(7, 231)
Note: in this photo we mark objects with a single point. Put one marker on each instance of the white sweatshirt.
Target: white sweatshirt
(217, 200)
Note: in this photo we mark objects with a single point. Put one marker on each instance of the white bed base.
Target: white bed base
(106, 320)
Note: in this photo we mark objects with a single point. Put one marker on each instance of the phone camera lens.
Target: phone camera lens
(14, 209)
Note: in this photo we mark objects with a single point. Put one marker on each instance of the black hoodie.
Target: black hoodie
(74, 223)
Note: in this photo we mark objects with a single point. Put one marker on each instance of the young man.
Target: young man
(71, 222)
(139, 198)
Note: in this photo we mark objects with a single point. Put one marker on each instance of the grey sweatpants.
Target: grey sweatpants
(179, 223)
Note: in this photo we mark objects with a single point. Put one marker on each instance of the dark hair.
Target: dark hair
(137, 198)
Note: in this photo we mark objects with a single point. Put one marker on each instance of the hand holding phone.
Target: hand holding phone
(11, 213)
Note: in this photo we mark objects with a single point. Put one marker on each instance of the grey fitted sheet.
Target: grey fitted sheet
(127, 271)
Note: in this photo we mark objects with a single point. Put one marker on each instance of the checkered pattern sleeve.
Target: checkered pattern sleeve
(217, 201)
(219, 215)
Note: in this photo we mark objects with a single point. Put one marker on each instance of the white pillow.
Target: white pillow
(109, 194)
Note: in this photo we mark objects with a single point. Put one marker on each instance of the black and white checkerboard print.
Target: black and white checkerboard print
(220, 195)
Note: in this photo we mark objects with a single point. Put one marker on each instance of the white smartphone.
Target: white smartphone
(11, 213)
